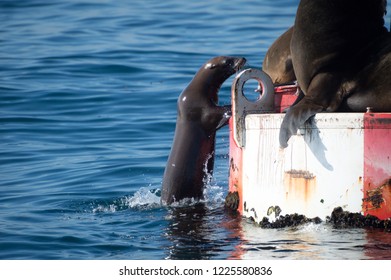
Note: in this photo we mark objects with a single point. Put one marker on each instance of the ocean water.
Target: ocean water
(87, 115)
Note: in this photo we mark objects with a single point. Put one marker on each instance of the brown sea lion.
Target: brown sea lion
(199, 117)
(278, 60)
(341, 58)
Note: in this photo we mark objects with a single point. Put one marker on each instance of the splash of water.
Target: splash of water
(213, 194)
(105, 209)
(144, 198)
(147, 198)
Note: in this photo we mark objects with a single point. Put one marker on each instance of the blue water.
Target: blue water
(87, 114)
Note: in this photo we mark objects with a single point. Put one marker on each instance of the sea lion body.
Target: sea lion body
(191, 158)
(278, 60)
(338, 48)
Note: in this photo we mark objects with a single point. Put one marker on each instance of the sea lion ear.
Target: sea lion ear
(210, 66)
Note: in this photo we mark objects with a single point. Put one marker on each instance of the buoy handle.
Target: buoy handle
(241, 106)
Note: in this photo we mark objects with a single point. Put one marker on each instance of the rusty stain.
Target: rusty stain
(299, 185)
(300, 174)
(375, 197)
(378, 122)
(233, 165)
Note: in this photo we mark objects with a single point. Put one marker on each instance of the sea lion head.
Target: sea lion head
(217, 70)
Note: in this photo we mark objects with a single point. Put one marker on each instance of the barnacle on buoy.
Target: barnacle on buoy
(341, 218)
(338, 218)
(288, 221)
(232, 200)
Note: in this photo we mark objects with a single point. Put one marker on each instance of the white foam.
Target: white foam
(105, 209)
(214, 195)
(149, 198)
(144, 197)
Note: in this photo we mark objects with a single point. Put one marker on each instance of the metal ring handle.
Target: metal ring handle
(241, 106)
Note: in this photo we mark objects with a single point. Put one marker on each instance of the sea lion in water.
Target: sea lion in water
(191, 158)
(341, 58)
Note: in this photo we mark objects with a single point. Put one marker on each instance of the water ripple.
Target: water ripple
(87, 117)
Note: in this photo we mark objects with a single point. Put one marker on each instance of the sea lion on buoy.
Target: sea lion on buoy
(278, 60)
(341, 56)
(373, 84)
(278, 63)
(199, 117)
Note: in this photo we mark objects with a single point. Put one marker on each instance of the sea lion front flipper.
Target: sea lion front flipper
(226, 113)
(295, 117)
(325, 93)
(219, 116)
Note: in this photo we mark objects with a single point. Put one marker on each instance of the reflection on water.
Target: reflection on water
(378, 245)
(197, 232)
(88, 108)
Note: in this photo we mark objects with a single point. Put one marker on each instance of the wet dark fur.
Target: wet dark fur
(199, 117)
(341, 56)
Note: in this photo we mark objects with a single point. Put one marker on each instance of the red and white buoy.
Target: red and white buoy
(336, 160)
